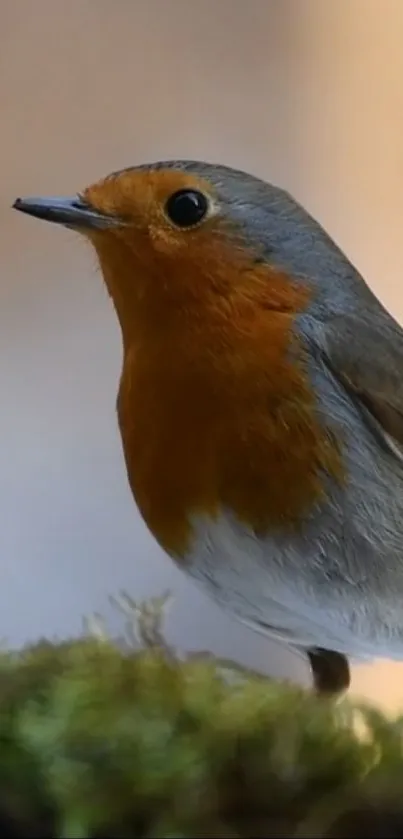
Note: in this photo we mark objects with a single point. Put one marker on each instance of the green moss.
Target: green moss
(98, 741)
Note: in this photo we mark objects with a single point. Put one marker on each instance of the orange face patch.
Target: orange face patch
(215, 406)
(139, 198)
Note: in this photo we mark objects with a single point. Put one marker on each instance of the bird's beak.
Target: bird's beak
(71, 212)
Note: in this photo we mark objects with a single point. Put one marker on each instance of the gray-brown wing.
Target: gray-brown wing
(367, 358)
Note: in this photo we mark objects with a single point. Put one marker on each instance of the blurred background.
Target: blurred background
(306, 93)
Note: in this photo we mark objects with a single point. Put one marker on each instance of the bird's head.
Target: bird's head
(180, 235)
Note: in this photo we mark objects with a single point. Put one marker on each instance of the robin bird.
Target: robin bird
(260, 403)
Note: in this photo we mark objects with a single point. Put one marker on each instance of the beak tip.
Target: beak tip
(68, 211)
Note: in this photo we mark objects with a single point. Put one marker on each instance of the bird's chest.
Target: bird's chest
(242, 437)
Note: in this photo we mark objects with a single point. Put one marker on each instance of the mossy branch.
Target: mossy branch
(107, 739)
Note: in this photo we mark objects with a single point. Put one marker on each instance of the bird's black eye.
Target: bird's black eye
(187, 207)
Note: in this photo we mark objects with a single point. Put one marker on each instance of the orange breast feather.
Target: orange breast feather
(216, 411)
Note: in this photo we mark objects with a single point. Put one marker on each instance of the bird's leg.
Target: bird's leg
(330, 670)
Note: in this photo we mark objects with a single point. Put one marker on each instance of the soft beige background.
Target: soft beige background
(304, 92)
